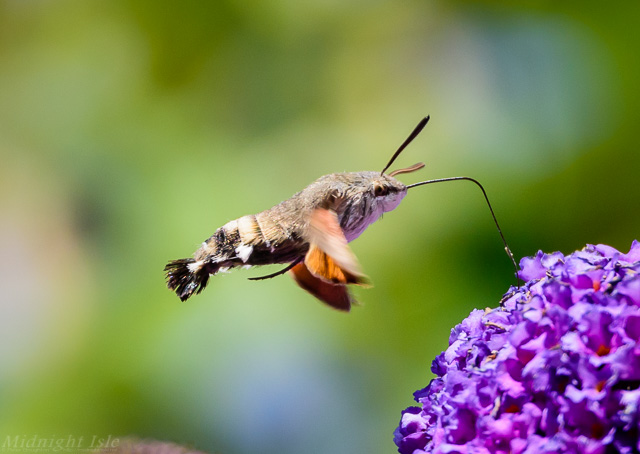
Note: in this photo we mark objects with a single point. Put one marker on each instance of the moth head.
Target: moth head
(386, 190)
(387, 186)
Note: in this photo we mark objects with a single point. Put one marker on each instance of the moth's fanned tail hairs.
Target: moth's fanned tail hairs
(186, 277)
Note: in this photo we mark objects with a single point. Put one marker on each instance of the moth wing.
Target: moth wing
(335, 295)
(330, 256)
(321, 265)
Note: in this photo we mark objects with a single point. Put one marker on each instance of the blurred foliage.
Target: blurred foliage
(131, 129)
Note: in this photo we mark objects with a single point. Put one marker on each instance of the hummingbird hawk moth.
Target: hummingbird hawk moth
(309, 232)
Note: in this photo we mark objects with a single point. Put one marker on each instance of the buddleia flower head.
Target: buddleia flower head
(555, 368)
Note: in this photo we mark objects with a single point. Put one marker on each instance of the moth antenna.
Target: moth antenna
(495, 220)
(409, 139)
(413, 168)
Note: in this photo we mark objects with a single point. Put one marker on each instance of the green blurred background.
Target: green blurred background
(131, 129)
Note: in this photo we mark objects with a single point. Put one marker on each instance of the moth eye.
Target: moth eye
(380, 190)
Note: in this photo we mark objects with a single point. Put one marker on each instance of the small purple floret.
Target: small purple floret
(556, 368)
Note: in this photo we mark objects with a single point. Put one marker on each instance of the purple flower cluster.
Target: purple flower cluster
(554, 369)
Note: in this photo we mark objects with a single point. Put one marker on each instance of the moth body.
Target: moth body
(283, 234)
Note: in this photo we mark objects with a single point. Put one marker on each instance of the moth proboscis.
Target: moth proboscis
(310, 232)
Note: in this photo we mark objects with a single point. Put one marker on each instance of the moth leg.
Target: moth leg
(277, 273)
